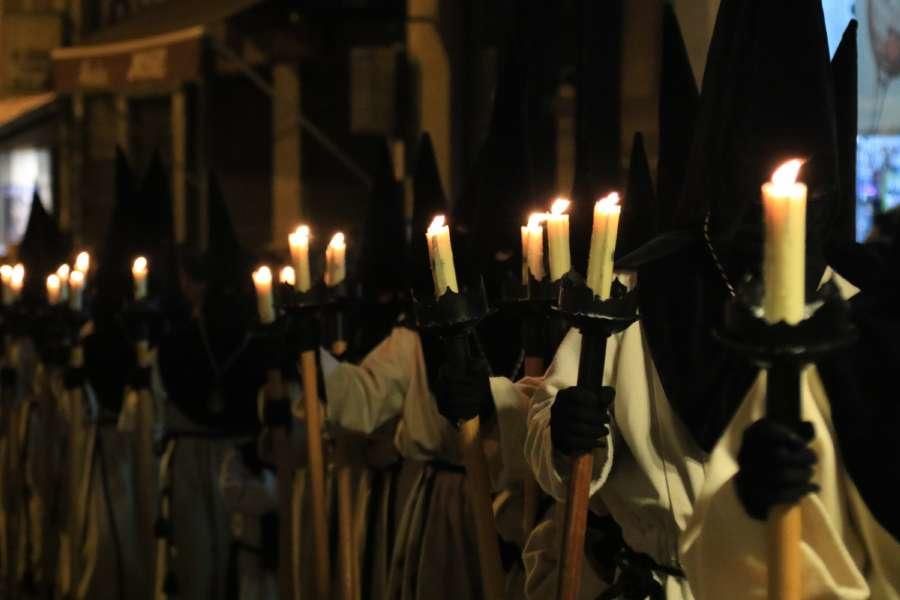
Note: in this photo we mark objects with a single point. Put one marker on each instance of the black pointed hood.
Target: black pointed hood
(42, 249)
(155, 233)
(598, 126)
(428, 200)
(845, 73)
(679, 102)
(639, 221)
(384, 236)
(229, 265)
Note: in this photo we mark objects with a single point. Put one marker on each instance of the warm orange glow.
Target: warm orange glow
(299, 236)
(560, 205)
(287, 276)
(262, 276)
(140, 266)
(787, 173)
(535, 219)
(63, 273)
(6, 273)
(52, 285)
(76, 279)
(337, 241)
(18, 277)
(83, 262)
(437, 224)
(608, 203)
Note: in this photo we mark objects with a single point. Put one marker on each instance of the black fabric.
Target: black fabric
(845, 73)
(679, 103)
(598, 116)
(638, 223)
(42, 249)
(775, 466)
(579, 419)
(464, 391)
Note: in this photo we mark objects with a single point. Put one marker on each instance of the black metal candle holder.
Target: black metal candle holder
(785, 349)
(337, 304)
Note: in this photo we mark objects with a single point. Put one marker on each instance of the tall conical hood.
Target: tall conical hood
(155, 234)
(384, 238)
(767, 97)
(679, 102)
(598, 115)
(498, 192)
(229, 265)
(42, 249)
(428, 200)
(844, 69)
(639, 221)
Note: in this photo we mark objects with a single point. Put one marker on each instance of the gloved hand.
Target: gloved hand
(579, 419)
(464, 393)
(775, 466)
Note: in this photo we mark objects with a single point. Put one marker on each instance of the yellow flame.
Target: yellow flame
(337, 241)
(287, 275)
(535, 219)
(83, 262)
(63, 272)
(139, 266)
(787, 173)
(52, 282)
(262, 275)
(560, 205)
(609, 201)
(301, 234)
(437, 224)
(76, 278)
(6, 273)
(18, 275)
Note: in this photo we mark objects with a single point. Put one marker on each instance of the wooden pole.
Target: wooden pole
(346, 546)
(316, 473)
(163, 543)
(146, 463)
(590, 375)
(479, 493)
(284, 473)
(534, 367)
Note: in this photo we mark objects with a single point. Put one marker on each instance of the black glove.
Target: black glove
(776, 466)
(579, 419)
(464, 393)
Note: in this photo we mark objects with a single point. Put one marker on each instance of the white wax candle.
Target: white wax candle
(558, 239)
(17, 281)
(784, 255)
(6, 273)
(535, 252)
(299, 242)
(139, 270)
(63, 273)
(440, 253)
(83, 262)
(335, 260)
(525, 239)
(265, 302)
(603, 245)
(53, 289)
(287, 276)
(76, 290)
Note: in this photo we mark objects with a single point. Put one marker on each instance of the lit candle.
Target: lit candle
(17, 281)
(558, 239)
(287, 276)
(335, 260)
(440, 253)
(299, 242)
(265, 303)
(63, 273)
(76, 289)
(784, 255)
(6, 273)
(603, 245)
(53, 289)
(83, 262)
(139, 271)
(533, 248)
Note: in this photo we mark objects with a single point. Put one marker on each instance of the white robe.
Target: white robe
(648, 475)
(846, 553)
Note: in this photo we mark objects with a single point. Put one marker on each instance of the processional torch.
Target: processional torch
(599, 309)
(453, 315)
(783, 334)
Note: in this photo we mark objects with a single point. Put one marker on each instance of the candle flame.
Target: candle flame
(609, 201)
(76, 278)
(83, 262)
(18, 275)
(787, 173)
(299, 235)
(535, 219)
(6, 273)
(287, 276)
(439, 222)
(52, 281)
(337, 241)
(139, 266)
(262, 275)
(63, 272)
(560, 205)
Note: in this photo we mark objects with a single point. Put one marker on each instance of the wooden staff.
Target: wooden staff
(534, 367)
(784, 526)
(346, 545)
(284, 465)
(146, 463)
(163, 543)
(479, 489)
(316, 472)
(69, 533)
(590, 376)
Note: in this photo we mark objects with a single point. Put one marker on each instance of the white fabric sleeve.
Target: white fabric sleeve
(363, 397)
(511, 402)
(549, 466)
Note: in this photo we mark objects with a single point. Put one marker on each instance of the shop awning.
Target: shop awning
(18, 112)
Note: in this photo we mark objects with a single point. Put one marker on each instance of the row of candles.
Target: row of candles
(784, 200)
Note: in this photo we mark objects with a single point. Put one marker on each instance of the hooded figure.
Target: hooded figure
(42, 249)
